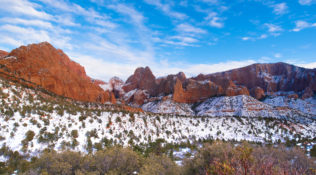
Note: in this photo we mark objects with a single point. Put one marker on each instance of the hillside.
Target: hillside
(32, 121)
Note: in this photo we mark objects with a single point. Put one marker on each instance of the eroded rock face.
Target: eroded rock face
(257, 80)
(308, 92)
(138, 97)
(3, 53)
(52, 69)
(114, 85)
(166, 84)
(270, 77)
(142, 79)
(257, 92)
(195, 91)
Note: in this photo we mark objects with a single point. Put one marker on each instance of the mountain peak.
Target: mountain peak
(51, 68)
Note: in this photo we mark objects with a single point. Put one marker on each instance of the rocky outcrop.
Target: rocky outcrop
(166, 84)
(308, 92)
(3, 53)
(142, 79)
(52, 69)
(136, 97)
(257, 93)
(257, 80)
(114, 85)
(270, 77)
(195, 91)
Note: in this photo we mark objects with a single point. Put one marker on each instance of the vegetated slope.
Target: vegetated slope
(48, 67)
(31, 121)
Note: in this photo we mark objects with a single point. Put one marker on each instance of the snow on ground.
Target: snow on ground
(307, 105)
(24, 111)
(168, 107)
(243, 105)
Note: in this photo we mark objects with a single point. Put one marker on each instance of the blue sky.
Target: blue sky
(113, 37)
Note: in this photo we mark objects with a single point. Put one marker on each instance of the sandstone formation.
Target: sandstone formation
(52, 69)
(195, 91)
(257, 80)
(142, 79)
(257, 92)
(3, 53)
(114, 85)
(270, 77)
(166, 84)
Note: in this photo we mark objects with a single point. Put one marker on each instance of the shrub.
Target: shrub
(74, 133)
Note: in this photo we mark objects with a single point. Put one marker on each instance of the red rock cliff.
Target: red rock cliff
(52, 69)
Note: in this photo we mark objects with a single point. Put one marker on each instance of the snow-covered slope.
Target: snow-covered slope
(31, 121)
(306, 106)
(243, 105)
(168, 107)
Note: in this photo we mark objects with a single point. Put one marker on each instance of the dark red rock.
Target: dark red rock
(166, 84)
(308, 92)
(257, 92)
(142, 79)
(270, 77)
(295, 96)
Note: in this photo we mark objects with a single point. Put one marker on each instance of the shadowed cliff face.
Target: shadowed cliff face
(270, 77)
(51, 69)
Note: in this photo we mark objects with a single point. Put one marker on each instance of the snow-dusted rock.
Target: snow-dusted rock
(169, 107)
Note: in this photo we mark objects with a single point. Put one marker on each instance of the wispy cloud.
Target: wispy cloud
(166, 8)
(23, 7)
(300, 25)
(280, 8)
(25, 35)
(306, 2)
(214, 20)
(246, 38)
(27, 22)
(277, 55)
(273, 28)
(187, 28)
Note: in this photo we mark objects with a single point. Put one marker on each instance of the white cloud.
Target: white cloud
(245, 38)
(166, 8)
(306, 2)
(277, 55)
(280, 8)
(27, 22)
(100, 69)
(73, 8)
(263, 36)
(17, 36)
(311, 65)
(189, 29)
(273, 28)
(23, 7)
(137, 20)
(300, 25)
(215, 20)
